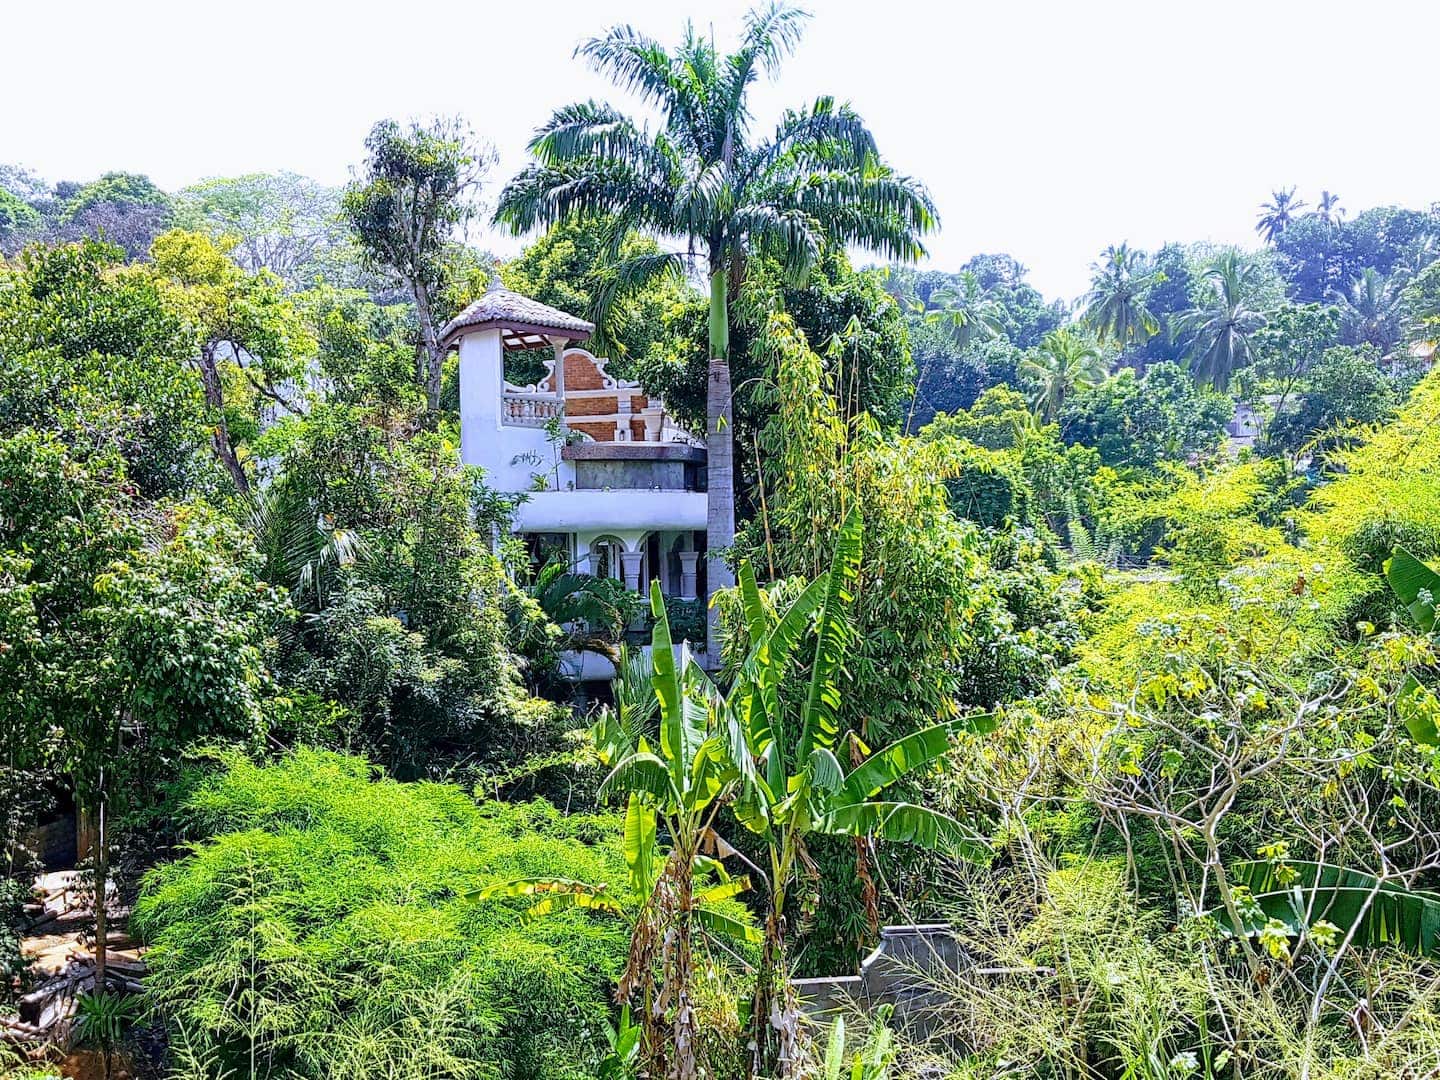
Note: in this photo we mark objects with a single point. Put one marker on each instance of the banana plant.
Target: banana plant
(1418, 588)
(677, 785)
(791, 784)
(644, 861)
(650, 910)
(1332, 903)
(871, 1063)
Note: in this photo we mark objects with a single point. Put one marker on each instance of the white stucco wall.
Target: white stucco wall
(484, 441)
(620, 513)
(627, 514)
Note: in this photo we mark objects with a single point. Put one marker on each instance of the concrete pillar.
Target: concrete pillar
(482, 383)
(653, 416)
(688, 561)
(630, 568)
(559, 344)
(592, 558)
(622, 425)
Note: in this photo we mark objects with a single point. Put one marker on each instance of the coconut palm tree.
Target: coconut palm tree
(1370, 311)
(706, 180)
(966, 311)
(1328, 209)
(1065, 360)
(1217, 334)
(1278, 213)
(1115, 306)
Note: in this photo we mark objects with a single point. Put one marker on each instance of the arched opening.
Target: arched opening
(605, 560)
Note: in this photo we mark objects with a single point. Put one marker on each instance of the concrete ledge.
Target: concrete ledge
(905, 970)
(632, 451)
(600, 510)
(821, 998)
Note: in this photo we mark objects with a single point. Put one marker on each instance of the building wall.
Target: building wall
(666, 475)
(509, 455)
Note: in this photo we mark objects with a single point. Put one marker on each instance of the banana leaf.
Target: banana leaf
(1385, 914)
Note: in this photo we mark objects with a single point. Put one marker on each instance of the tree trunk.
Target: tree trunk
(761, 1031)
(214, 390)
(434, 358)
(102, 874)
(686, 1031)
(719, 443)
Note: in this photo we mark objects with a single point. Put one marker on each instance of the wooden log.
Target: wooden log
(129, 965)
(21, 1028)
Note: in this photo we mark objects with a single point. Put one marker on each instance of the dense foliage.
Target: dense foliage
(322, 927)
(1105, 635)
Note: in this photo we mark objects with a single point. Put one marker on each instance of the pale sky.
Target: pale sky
(1047, 129)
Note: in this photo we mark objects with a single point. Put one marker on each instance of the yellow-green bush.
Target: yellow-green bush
(1389, 492)
(321, 930)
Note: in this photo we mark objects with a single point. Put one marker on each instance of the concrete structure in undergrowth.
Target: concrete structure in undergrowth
(609, 480)
(908, 970)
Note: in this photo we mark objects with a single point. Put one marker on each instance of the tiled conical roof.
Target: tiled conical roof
(527, 321)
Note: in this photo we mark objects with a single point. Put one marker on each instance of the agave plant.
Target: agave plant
(797, 786)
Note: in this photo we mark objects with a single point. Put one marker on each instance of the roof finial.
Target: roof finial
(494, 282)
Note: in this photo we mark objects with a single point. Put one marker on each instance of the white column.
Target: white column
(630, 568)
(622, 425)
(559, 344)
(688, 560)
(482, 382)
(593, 555)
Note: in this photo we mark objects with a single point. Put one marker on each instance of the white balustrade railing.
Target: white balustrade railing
(528, 410)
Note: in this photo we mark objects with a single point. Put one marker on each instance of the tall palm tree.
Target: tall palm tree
(707, 181)
(1217, 334)
(1064, 361)
(1278, 213)
(1370, 311)
(966, 310)
(1328, 208)
(1115, 306)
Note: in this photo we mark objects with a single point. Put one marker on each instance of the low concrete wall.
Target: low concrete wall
(902, 971)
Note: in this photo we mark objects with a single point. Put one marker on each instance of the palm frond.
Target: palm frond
(823, 131)
(588, 131)
(772, 33)
(590, 187)
(906, 823)
(635, 62)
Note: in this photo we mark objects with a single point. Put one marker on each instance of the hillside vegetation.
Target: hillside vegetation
(1103, 635)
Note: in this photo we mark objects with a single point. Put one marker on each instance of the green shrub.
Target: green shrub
(989, 488)
(321, 929)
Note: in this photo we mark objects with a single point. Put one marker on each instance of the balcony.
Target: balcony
(605, 510)
(520, 409)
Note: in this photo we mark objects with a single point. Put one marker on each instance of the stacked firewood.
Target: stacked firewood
(63, 958)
